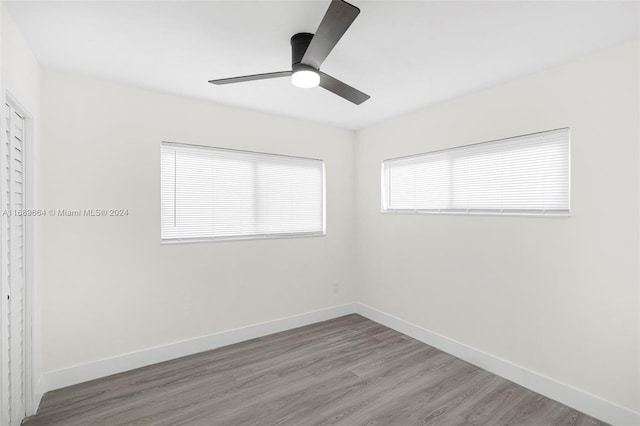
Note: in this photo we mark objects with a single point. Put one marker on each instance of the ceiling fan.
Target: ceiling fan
(308, 52)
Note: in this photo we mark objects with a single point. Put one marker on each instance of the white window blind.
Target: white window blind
(213, 193)
(527, 174)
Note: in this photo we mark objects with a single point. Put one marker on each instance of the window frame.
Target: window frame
(481, 212)
(240, 237)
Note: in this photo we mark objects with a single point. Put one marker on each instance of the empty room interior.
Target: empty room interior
(320, 212)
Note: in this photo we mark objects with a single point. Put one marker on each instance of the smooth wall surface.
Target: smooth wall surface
(110, 286)
(558, 296)
(21, 72)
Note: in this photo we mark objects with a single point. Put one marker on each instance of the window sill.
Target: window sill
(241, 238)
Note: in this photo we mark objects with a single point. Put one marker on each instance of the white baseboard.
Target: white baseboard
(575, 398)
(118, 364)
(580, 400)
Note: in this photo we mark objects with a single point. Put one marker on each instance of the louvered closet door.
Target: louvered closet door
(13, 267)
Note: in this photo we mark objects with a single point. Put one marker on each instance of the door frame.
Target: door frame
(29, 242)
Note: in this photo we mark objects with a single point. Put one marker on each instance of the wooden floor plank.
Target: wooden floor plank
(346, 371)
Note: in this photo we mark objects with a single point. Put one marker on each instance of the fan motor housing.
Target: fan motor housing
(299, 44)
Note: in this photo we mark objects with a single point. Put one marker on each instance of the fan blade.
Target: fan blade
(335, 23)
(251, 77)
(341, 89)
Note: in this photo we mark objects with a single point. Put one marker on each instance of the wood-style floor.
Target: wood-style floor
(346, 371)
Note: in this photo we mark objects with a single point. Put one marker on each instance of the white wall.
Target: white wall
(21, 77)
(109, 286)
(558, 296)
(21, 73)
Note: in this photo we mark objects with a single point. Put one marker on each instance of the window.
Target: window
(216, 194)
(521, 175)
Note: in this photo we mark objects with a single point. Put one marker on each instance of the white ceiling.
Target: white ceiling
(405, 54)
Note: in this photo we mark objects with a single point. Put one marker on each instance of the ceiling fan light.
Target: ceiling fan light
(305, 79)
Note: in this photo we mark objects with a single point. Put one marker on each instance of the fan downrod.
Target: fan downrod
(299, 44)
